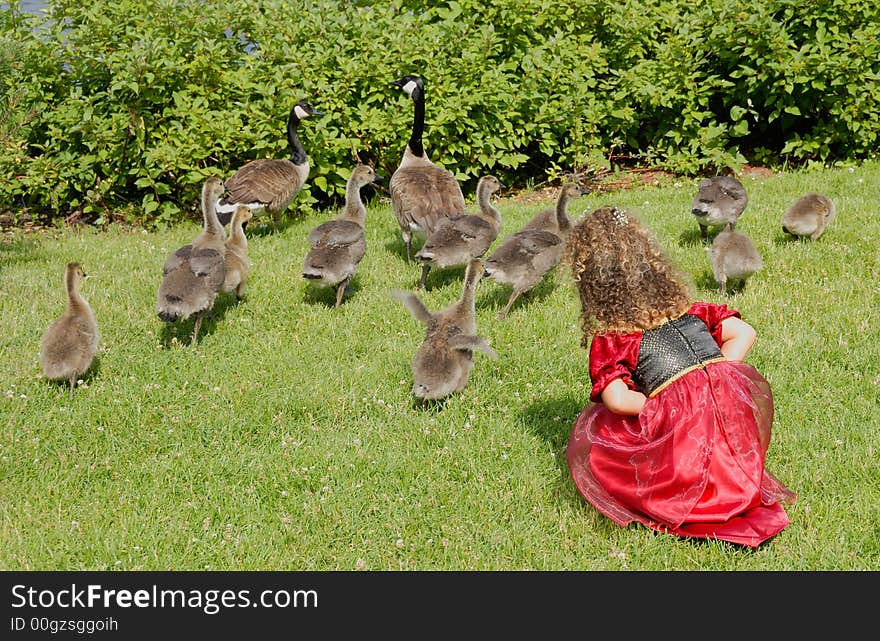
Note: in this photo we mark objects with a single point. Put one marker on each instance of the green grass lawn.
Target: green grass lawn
(288, 438)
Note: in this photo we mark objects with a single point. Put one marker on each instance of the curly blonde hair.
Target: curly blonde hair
(625, 280)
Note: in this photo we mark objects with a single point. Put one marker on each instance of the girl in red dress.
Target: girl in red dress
(677, 432)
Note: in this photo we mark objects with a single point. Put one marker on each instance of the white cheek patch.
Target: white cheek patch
(410, 87)
(300, 112)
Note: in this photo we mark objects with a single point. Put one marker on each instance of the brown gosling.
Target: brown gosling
(270, 184)
(720, 201)
(193, 275)
(339, 245)
(422, 193)
(556, 220)
(237, 263)
(809, 216)
(524, 258)
(458, 239)
(444, 360)
(69, 345)
(733, 256)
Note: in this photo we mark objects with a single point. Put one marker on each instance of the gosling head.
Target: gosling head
(364, 175)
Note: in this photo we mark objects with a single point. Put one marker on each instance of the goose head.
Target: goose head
(303, 109)
(410, 84)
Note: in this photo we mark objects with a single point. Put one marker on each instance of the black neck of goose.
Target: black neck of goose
(297, 152)
(418, 128)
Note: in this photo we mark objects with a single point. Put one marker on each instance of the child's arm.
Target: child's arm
(737, 338)
(620, 399)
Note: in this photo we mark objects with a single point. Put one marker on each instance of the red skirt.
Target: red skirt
(691, 463)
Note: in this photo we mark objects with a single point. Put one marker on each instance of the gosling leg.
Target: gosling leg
(425, 269)
(340, 291)
(196, 328)
(513, 297)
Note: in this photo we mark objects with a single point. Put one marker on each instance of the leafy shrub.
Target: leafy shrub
(120, 110)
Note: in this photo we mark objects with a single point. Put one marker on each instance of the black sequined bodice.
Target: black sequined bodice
(671, 350)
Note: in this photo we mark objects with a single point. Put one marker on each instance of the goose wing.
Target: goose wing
(176, 259)
(470, 227)
(423, 195)
(414, 306)
(535, 241)
(336, 232)
(209, 264)
(472, 343)
(267, 180)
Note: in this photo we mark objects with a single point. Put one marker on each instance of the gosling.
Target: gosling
(458, 239)
(443, 362)
(524, 258)
(338, 246)
(193, 275)
(69, 345)
(809, 216)
(237, 263)
(733, 257)
(720, 201)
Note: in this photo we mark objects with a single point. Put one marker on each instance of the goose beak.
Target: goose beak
(378, 178)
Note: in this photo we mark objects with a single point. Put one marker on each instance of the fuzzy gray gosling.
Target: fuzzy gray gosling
(443, 362)
(524, 258)
(193, 275)
(458, 239)
(556, 220)
(69, 345)
(338, 246)
(237, 263)
(733, 256)
(809, 216)
(719, 202)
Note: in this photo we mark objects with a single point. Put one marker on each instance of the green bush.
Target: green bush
(120, 110)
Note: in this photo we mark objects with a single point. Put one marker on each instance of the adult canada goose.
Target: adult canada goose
(809, 216)
(720, 201)
(270, 184)
(70, 343)
(237, 263)
(193, 275)
(556, 219)
(458, 239)
(524, 258)
(337, 246)
(422, 193)
(443, 362)
(733, 256)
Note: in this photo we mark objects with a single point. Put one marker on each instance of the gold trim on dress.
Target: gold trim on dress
(675, 377)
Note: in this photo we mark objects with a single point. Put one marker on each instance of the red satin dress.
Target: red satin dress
(692, 462)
